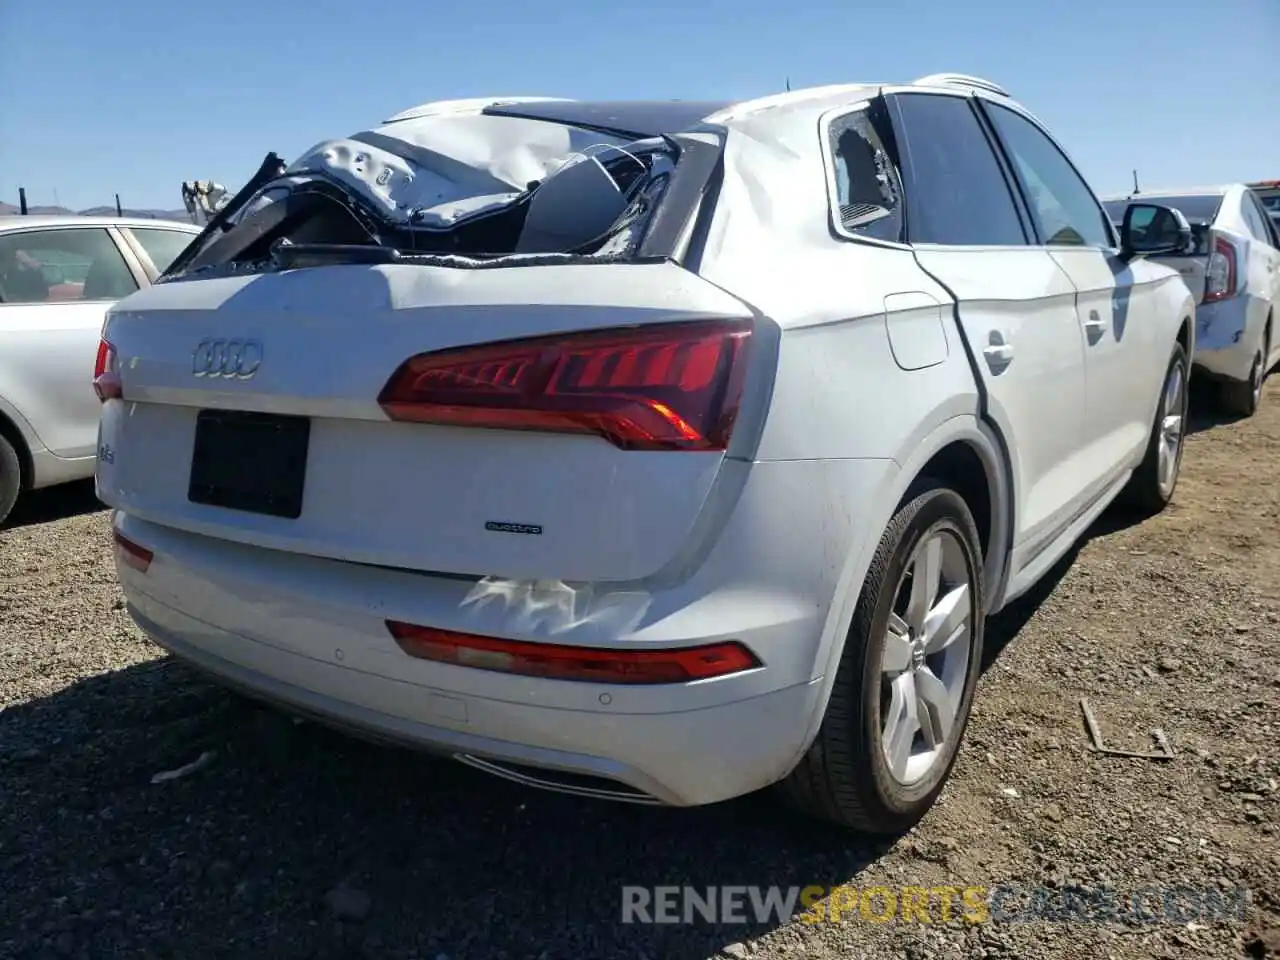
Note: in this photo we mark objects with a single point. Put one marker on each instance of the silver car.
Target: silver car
(58, 275)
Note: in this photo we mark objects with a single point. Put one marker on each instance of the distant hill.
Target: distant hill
(10, 209)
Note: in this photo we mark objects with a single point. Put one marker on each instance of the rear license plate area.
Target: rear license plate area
(252, 462)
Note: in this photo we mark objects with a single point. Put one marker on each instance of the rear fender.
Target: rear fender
(967, 429)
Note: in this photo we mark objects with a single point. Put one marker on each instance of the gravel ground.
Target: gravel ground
(298, 842)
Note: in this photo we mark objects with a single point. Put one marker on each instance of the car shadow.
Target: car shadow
(1004, 627)
(1202, 411)
(54, 503)
(236, 858)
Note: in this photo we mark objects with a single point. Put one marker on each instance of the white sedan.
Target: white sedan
(658, 451)
(58, 275)
(1233, 267)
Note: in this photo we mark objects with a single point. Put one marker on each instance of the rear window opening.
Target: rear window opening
(593, 204)
(1200, 211)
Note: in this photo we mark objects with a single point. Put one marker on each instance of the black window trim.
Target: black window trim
(894, 101)
(135, 267)
(825, 124)
(985, 106)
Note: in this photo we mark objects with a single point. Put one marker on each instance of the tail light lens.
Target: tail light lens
(1220, 275)
(673, 386)
(130, 554)
(587, 664)
(106, 375)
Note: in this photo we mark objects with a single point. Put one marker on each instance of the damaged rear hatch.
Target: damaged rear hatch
(461, 342)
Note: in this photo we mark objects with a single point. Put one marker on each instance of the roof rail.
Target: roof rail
(961, 80)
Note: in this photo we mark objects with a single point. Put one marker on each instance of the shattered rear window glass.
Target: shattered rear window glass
(867, 191)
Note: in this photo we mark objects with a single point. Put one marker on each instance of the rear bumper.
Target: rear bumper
(310, 634)
(1224, 344)
(679, 759)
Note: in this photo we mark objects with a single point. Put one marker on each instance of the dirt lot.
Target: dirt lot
(297, 842)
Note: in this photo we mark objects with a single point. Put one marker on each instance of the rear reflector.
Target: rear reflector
(557, 662)
(672, 386)
(130, 554)
(106, 376)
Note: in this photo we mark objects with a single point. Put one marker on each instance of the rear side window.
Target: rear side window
(1067, 213)
(57, 266)
(868, 196)
(162, 246)
(956, 191)
(1255, 218)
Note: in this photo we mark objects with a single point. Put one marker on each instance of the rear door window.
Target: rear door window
(957, 193)
(162, 246)
(1256, 219)
(64, 265)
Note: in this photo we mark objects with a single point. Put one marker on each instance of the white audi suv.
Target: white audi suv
(657, 451)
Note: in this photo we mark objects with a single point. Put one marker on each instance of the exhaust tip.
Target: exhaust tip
(560, 781)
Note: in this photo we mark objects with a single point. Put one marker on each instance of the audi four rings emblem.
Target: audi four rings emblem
(233, 359)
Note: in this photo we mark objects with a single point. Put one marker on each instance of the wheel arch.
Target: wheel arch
(10, 430)
(965, 451)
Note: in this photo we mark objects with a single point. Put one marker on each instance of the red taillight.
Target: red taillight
(1220, 275)
(130, 554)
(106, 376)
(558, 662)
(668, 387)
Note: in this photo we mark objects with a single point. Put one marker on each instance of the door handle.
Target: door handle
(1094, 327)
(999, 354)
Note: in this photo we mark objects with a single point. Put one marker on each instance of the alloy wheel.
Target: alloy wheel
(925, 660)
(1255, 380)
(1173, 418)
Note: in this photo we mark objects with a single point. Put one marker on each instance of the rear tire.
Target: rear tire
(10, 477)
(847, 776)
(1241, 399)
(1151, 487)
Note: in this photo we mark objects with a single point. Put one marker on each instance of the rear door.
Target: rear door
(55, 287)
(1015, 306)
(1115, 299)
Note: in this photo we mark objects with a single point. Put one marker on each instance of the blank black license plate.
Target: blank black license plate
(255, 462)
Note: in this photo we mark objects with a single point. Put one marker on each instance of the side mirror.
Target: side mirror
(1149, 229)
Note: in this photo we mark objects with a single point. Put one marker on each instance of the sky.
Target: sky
(134, 97)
